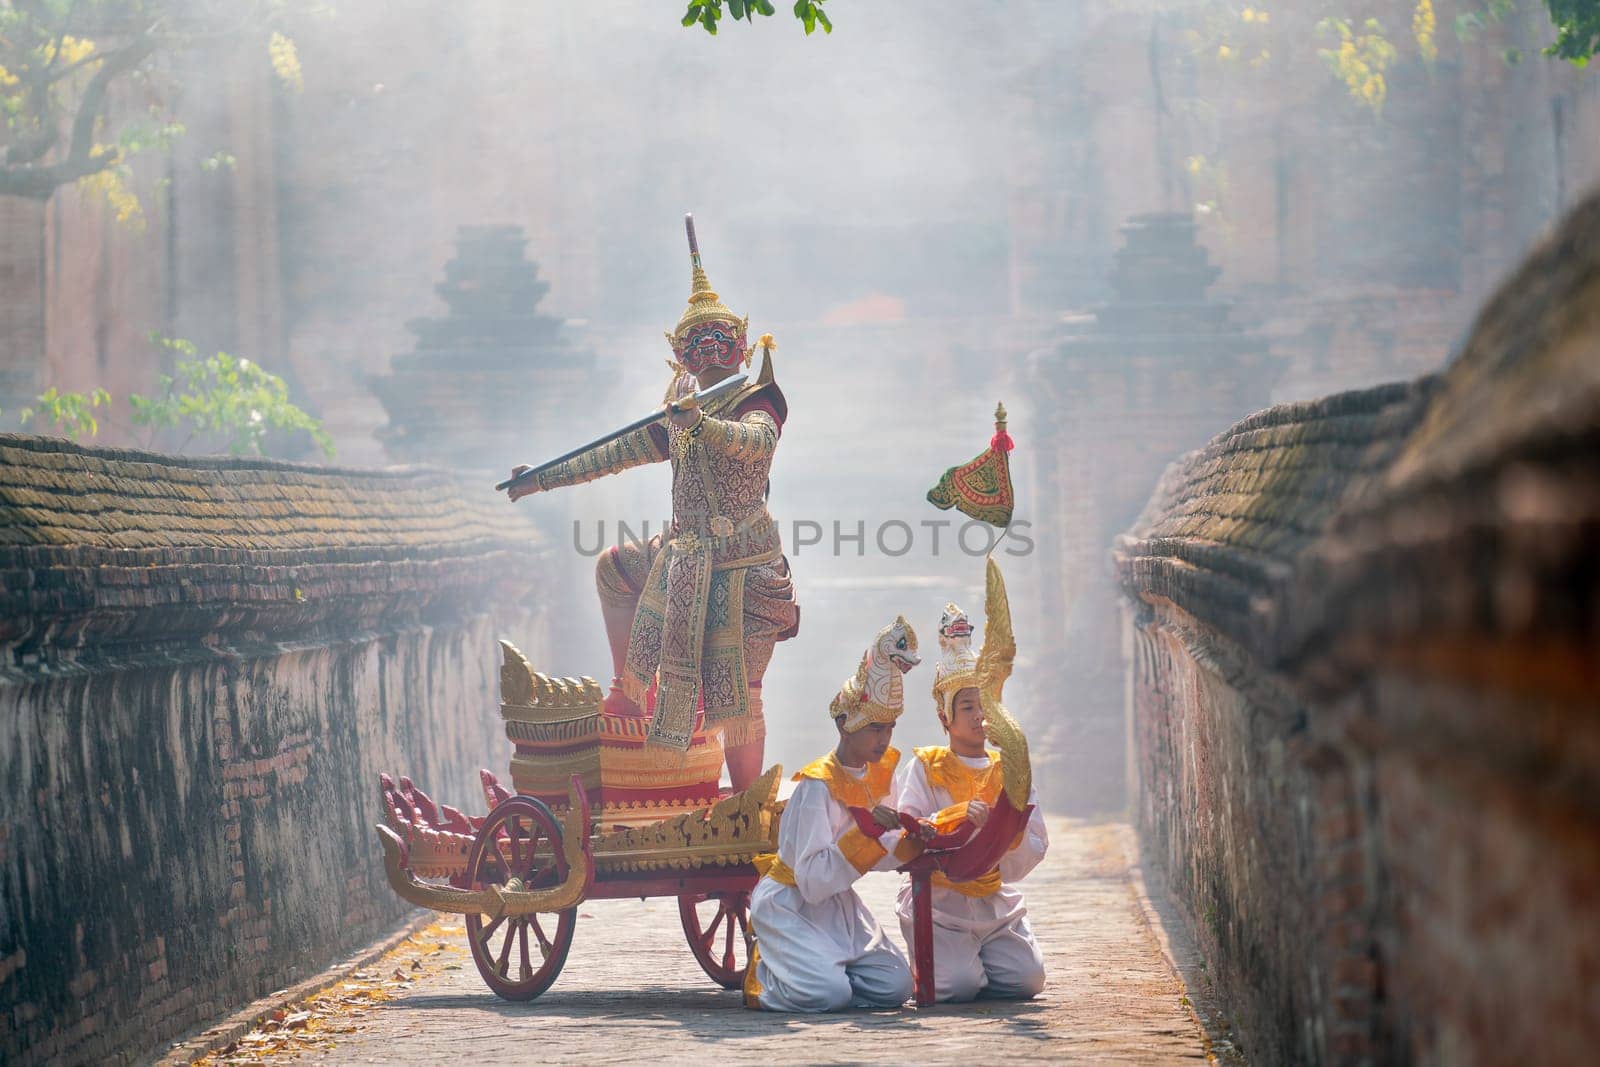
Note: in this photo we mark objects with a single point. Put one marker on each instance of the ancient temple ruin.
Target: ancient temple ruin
(1151, 373)
(485, 381)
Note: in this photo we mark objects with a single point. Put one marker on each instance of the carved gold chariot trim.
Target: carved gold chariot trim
(731, 831)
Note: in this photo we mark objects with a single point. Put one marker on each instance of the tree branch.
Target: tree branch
(73, 68)
(82, 160)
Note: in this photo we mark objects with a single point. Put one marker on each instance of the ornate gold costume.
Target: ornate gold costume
(712, 595)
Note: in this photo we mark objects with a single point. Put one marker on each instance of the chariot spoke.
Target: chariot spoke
(707, 939)
(527, 965)
(505, 951)
(545, 876)
(488, 931)
(540, 867)
(727, 949)
(513, 834)
(710, 934)
(544, 943)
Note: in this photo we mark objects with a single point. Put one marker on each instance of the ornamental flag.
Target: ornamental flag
(981, 488)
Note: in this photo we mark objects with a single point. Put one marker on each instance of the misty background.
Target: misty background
(919, 207)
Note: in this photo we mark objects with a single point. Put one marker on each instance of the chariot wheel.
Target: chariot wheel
(716, 924)
(519, 956)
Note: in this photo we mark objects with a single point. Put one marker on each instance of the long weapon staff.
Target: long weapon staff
(700, 399)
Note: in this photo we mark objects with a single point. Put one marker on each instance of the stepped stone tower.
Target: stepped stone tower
(1138, 381)
(488, 383)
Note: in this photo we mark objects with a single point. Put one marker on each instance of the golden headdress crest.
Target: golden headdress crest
(875, 693)
(981, 487)
(708, 333)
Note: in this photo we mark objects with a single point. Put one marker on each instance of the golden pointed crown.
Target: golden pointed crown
(704, 304)
(957, 668)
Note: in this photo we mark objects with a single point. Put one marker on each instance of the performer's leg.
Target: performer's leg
(619, 600)
(1013, 962)
(881, 978)
(790, 974)
(957, 968)
(619, 621)
(770, 616)
(744, 758)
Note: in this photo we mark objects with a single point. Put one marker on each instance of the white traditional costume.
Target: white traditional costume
(981, 937)
(816, 946)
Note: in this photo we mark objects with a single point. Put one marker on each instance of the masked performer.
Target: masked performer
(982, 941)
(696, 611)
(816, 946)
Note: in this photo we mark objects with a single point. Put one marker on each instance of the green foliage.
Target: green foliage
(1577, 25)
(225, 399)
(707, 13)
(72, 414)
(158, 134)
(1470, 22)
(1359, 57)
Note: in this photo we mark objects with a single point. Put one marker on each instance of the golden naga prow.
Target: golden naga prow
(994, 667)
(510, 898)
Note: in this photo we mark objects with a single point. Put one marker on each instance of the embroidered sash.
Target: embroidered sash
(689, 626)
(861, 851)
(964, 784)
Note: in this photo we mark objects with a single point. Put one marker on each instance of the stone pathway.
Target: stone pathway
(631, 992)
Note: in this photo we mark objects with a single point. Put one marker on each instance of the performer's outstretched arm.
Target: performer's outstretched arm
(644, 445)
(751, 436)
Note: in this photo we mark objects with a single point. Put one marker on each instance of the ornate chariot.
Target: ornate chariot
(595, 815)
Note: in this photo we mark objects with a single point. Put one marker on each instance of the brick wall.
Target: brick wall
(206, 664)
(1101, 447)
(1248, 812)
(1363, 689)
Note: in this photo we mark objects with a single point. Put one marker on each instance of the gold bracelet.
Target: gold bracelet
(699, 424)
